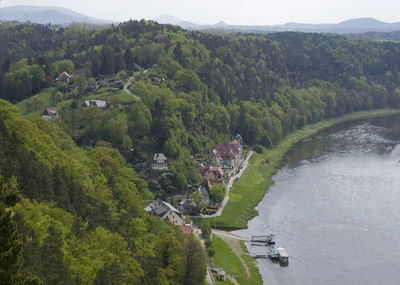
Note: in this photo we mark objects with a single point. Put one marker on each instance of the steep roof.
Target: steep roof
(203, 191)
(217, 169)
(65, 74)
(52, 111)
(226, 150)
(160, 207)
(187, 229)
(160, 156)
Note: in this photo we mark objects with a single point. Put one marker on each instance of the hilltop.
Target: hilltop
(46, 14)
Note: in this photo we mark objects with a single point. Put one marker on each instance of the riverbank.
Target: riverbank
(233, 257)
(252, 186)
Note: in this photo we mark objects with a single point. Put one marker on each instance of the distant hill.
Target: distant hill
(361, 25)
(45, 15)
(169, 19)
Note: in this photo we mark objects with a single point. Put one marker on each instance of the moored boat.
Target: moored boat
(283, 256)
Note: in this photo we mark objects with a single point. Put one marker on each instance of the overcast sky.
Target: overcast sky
(250, 12)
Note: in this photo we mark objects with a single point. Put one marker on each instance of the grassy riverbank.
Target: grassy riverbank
(225, 258)
(250, 189)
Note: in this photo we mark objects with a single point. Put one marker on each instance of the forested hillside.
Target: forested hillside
(197, 89)
(75, 213)
(74, 216)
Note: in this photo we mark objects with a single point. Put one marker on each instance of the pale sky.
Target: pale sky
(247, 12)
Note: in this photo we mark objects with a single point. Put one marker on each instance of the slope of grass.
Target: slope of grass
(250, 189)
(36, 105)
(226, 259)
(28, 108)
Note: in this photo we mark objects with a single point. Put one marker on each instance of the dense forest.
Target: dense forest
(74, 214)
(199, 88)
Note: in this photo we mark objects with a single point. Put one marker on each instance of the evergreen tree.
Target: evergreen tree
(128, 58)
(10, 243)
(53, 270)
(106, 60)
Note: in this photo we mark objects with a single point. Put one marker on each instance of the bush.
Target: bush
(210, 252)
(258, 148)
(205, 229)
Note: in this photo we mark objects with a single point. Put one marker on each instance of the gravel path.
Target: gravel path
(126, 88)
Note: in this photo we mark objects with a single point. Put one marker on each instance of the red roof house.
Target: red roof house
(186, 229)
(65, 77)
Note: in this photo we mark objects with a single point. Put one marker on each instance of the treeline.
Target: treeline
(73, 216)
(211, 86)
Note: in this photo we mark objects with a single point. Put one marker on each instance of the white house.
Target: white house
(160, 162)
(98, 103)
(165, 211)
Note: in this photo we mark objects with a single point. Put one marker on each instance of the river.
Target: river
(335, 207)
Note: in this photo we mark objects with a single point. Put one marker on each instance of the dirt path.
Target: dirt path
(233, 241)
(232, 279)
(126, 88)
(229, 235)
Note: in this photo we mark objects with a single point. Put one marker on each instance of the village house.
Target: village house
(98, 103)
(189, 205)
(227, 155)
(160, 162)
(186, 229)
(213, 175)
(102, 84)
(65, 77)
(166, 212)
(50, 113)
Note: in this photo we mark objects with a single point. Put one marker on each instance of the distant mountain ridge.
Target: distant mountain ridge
(172, 20)
(45, 15)
(64, 16)
(360, 25)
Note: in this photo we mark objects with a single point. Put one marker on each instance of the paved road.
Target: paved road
(126, 88)
(226, 198)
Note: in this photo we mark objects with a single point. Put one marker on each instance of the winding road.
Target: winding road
(126, 88)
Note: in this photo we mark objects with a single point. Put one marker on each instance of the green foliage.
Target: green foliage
(24, 82)
(187, 80)
(195, 261)
(85, 223)
(97, 250)
(60, 66)
(217, 192)
(205, 229)
(10, 243)
(258, 148)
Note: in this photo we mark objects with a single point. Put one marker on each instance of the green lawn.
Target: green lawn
(28, 107)
(250, 189)
(122, 98)
(226, 259)
(36, 105)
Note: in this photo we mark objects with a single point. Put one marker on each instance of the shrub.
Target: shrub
(258, 148)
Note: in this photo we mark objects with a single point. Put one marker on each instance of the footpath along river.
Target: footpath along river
(335, 206)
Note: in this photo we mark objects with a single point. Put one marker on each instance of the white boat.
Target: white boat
(283, 256)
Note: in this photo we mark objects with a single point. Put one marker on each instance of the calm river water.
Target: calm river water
(335, 207)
